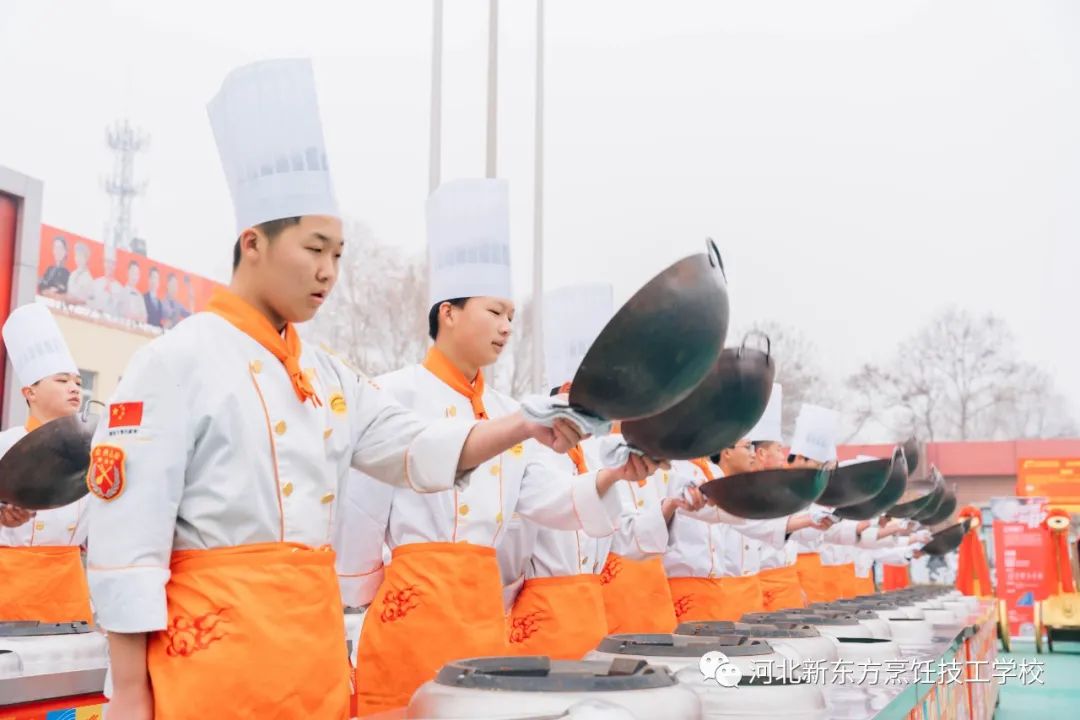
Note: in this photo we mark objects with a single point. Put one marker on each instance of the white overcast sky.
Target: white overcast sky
(862, 162)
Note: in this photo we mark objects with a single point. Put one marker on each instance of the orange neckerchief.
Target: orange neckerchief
(1061, 578)
(703, 464)
(252, 322)
(441, 367)
(575, 453)
(32, 424)
(578, 456)
(972, 571)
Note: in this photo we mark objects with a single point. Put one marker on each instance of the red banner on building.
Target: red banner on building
(124, 286)
(1020, 554)
(1056, 479)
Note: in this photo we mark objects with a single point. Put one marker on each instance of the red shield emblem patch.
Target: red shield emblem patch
(105, 478)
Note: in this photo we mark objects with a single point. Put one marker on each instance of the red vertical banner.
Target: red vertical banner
(1020, 555)
(9, 217)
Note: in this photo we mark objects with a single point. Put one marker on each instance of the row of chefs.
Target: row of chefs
(234, 458)
(639, 556)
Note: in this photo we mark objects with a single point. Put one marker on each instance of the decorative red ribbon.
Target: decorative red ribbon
(973, 572)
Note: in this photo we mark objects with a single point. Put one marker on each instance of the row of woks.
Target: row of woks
(785, 660)
(659, 366)
(856, 490)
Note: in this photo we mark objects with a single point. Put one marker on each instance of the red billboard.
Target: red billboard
(122, 287)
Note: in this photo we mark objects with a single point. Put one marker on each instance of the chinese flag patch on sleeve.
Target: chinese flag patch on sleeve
(128, 414)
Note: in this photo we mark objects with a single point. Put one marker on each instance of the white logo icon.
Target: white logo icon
(716, 666)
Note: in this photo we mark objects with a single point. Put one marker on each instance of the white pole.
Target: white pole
(435, 129)
(492, 87)
(538, 211)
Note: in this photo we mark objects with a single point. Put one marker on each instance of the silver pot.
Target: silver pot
(681, 651)
(514, 688)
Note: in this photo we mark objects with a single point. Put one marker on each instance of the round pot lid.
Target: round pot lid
(542, 674)
(667, 645)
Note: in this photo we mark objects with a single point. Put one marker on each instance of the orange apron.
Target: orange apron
(895, 577)
(561, 617)
(780, 588)
(637, 597)
(254, 631)
(838, 581)
(864, 586)
(724, 598)
(45, 583)
(437, 602)
(812, 577)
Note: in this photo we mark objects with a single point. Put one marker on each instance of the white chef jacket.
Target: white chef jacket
(710, 542)
(643, 532)
(226, 454)
(528, 550)
(59, 526)
(521, 480)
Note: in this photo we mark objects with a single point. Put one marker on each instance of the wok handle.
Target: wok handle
(758, 333)
(714, 256)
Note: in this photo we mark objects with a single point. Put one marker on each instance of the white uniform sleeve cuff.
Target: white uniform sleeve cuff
(650, 532)
(359, 590)
(599, 516)
(433, 455)
(129, 600)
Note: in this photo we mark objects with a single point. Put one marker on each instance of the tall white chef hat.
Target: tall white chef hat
(573, 317)
(816, 430)
(468, 231)
(769, 427)
(35, 344)
(266, 123)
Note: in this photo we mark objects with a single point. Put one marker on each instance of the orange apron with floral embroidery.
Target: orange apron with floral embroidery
(437, 602)
(44, 583)
(780, 588)
(637, 597)
(254, 631)
(561, 617)
(723, 598)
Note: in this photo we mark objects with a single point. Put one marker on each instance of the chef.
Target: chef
(846, 568)
(887, 540)
(712, 571)
(440, 598)
(637, 596)
(780, 587)
(560, 610)
(41, 559)
(814, 445)
(215, 477)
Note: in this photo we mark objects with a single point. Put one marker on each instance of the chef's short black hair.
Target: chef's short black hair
(715, 459)
(433, 315)
(270, 228)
